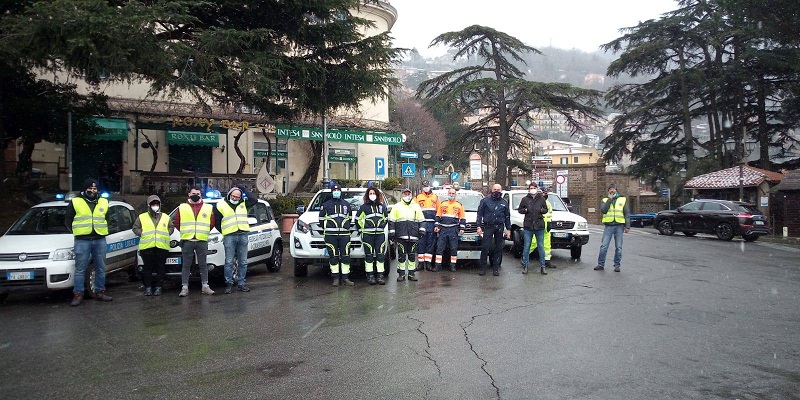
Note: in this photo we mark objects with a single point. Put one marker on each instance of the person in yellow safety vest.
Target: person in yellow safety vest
(406, 226)
(153, 228)
(194, 220)
(87, 218)
(617, 221)
(371, 224)
(231, 217)
(429, 202)
(336, 221)
(547, 237)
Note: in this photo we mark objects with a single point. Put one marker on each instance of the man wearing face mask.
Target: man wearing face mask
(450, 223)
(494, 224)
(617, 221)
(371, 223)
(336, 222)
(153, 228)
(87, 218)
(231, 220)
(534, 208)
(429, 203)
(194, 220)
(406, 226)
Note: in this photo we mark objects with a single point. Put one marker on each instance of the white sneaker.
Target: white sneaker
(184, 291)
(207, 290)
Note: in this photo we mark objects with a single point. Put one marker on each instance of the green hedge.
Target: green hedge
(287, 204)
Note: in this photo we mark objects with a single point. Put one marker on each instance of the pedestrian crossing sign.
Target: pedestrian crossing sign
(409, 170)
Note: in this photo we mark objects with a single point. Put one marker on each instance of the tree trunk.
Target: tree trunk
(504, 136)
(242, 159)
(153, 149)
(309, 179)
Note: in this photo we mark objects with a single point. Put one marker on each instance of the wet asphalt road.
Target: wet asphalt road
(688, 318)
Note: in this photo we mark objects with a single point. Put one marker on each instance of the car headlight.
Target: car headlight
(63, 254)
(582, 226)
(213, 239)
(303, 227)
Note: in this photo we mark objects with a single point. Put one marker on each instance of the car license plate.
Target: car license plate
(173, 260)
(470, 238)
(759, 222)
(19, 276)
(560, 234)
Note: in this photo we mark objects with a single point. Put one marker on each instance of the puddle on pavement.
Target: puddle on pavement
(279, 369)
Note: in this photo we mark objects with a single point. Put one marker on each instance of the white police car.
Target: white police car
(265, 243)
(36, 253)
(567, 230)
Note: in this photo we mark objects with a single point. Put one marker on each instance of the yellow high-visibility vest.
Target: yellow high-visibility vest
(615, 211)
(233, 220)
(195, 228)
(154, 235)
(86, 220)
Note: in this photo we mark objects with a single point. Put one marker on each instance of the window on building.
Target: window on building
(277, 160)
(575, 160)
(564, 160)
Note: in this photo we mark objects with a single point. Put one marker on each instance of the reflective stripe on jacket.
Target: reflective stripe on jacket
(334, 217)
(233, 220)
(154, 235)
(451, 214)
(405, 221)
(616, 211)
(87, 221)
(371, 218)
(195, 228)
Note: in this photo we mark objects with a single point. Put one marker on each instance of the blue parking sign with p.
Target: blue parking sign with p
(380, 166)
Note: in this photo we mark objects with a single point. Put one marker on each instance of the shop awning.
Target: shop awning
(117, 129)
(193, 138)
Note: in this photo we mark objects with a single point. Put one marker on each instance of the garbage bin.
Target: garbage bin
(287, 220)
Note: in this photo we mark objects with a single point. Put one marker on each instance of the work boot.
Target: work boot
(542, 271)
(157, 292)
(184, 291)
(102, 296)
(228, 287)
(347, 282)
(452, 268)
(371, 278)
(77, 299)
(412, 276)
(437, 267)
(524, 269)
(380, 279)
(335, 279)
(548, 264)
(496, 272)
(482, 272)
(207, 290)
(148, 292)
(243, 288)
(401, 277)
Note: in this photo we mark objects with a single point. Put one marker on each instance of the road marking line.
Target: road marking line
(314, 328)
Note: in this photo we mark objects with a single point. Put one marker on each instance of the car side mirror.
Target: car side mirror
(301, 208)
(570, 208)
(252, 220)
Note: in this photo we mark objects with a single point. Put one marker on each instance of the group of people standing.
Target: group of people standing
(87, 219)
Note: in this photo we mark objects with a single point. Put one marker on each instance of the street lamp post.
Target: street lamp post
(743, 151)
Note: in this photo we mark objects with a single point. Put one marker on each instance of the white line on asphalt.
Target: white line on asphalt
(314, 328)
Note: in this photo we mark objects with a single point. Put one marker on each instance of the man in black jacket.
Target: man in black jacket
(336, 221)
(533, 207)
(494, 223)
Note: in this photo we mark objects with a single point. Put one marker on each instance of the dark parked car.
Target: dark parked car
(723, 218)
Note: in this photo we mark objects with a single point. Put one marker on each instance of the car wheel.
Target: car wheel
(516, 248)
(300, 269)
(690, 234)
(275, 262)
(724, 231)
(666, 228)
(3, 297)
(88, 282)
(750, 238)
(575, 252)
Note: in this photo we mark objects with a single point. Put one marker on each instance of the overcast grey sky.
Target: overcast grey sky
(566, 24)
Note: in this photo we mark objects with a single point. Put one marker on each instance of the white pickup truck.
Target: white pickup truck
(567, 230)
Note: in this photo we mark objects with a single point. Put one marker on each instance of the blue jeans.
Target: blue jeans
(616, 231)
(527, 236)
(235, 249)
(85, 248)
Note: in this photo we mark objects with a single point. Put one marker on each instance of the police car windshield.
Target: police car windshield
(40, 221)
(555, 201)
(356, 199)
(469, 200)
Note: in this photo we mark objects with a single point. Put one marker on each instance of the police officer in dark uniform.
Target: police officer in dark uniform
(494, 223)
(335, 220)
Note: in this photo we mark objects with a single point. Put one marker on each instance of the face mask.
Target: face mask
(155, 208)
(373, 197)
(337, 194)
(407, 199)
(426, 190)
(235, 202)
(194, 198)
(532, 191)
(451, 197)
(496, 195)
(90, 195)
